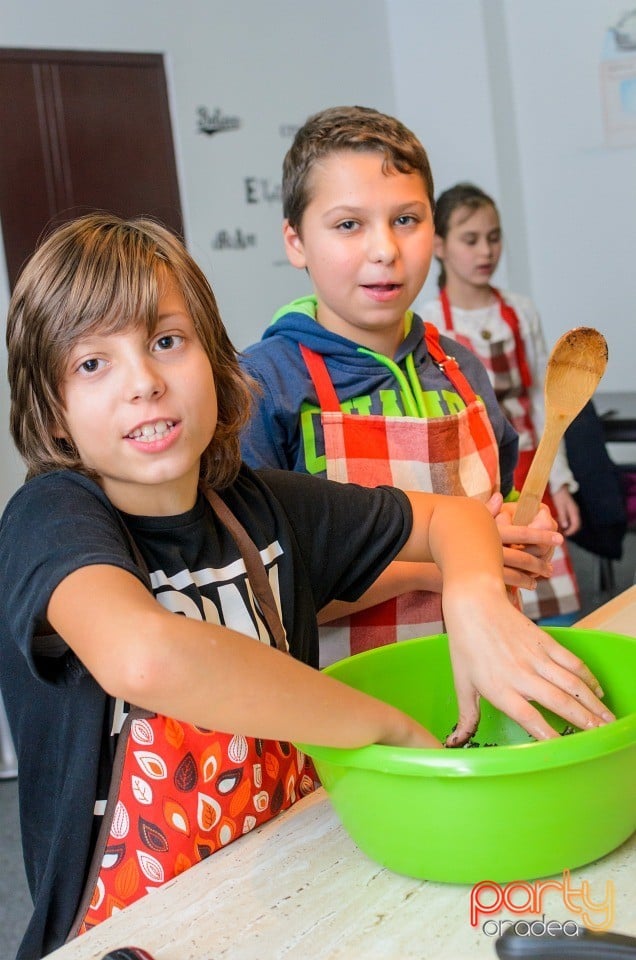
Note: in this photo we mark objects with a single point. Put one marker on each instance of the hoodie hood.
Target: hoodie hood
(296, 321)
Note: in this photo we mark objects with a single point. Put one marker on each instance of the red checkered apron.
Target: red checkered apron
(455, 454)
(179, 792)
(509, 374)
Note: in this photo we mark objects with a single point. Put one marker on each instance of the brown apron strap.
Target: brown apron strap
(253, 564)
(135, 713)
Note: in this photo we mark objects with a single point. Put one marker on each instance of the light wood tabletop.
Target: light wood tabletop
(617, 615)
(298, 886)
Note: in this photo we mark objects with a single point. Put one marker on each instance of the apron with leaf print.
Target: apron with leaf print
(180, 792)
(505, 361)
(455, 454)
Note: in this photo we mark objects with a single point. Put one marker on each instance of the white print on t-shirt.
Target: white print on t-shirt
(120, 712)
(229, 602)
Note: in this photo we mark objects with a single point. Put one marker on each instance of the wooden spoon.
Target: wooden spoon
(574, 369)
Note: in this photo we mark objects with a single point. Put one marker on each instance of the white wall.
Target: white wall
(508, 93)
(580, 192)
(442, 92)
(270, 65)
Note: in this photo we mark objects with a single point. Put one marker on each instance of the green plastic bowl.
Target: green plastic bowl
(515, 811)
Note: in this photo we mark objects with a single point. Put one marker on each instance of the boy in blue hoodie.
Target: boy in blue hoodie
(354, 386)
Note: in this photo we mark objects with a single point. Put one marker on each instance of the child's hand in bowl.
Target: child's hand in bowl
(507, 659)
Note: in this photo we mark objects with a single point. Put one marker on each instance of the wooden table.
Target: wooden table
(299, 887)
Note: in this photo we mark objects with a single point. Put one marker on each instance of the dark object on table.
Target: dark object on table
(600, 495)
(586, 945)
(617, 412)
(128, 953)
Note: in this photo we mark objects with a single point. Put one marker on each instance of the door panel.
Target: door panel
(82, 132)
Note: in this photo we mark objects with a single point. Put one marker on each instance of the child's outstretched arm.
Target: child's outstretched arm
(210, 675)
(496, 652)
(524, 564)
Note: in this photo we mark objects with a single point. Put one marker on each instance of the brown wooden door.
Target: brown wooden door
(82, 131)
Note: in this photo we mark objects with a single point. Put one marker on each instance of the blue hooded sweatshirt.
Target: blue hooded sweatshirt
(285, 429)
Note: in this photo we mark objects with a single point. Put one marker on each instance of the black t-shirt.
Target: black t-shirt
(319, 541)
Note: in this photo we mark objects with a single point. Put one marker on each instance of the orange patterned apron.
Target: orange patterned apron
(509, 374)
(179, 792)
(455, 454)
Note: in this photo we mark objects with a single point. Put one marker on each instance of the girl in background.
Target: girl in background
(504, 330)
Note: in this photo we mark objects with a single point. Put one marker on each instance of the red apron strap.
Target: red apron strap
(447, 364)
(446, 309)
(317, 368)
(328, 398)
(509, 316)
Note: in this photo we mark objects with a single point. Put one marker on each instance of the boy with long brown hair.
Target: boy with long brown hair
(158, 628)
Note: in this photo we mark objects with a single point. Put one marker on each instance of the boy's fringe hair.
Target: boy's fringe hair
(103, 273)
(360, 129)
